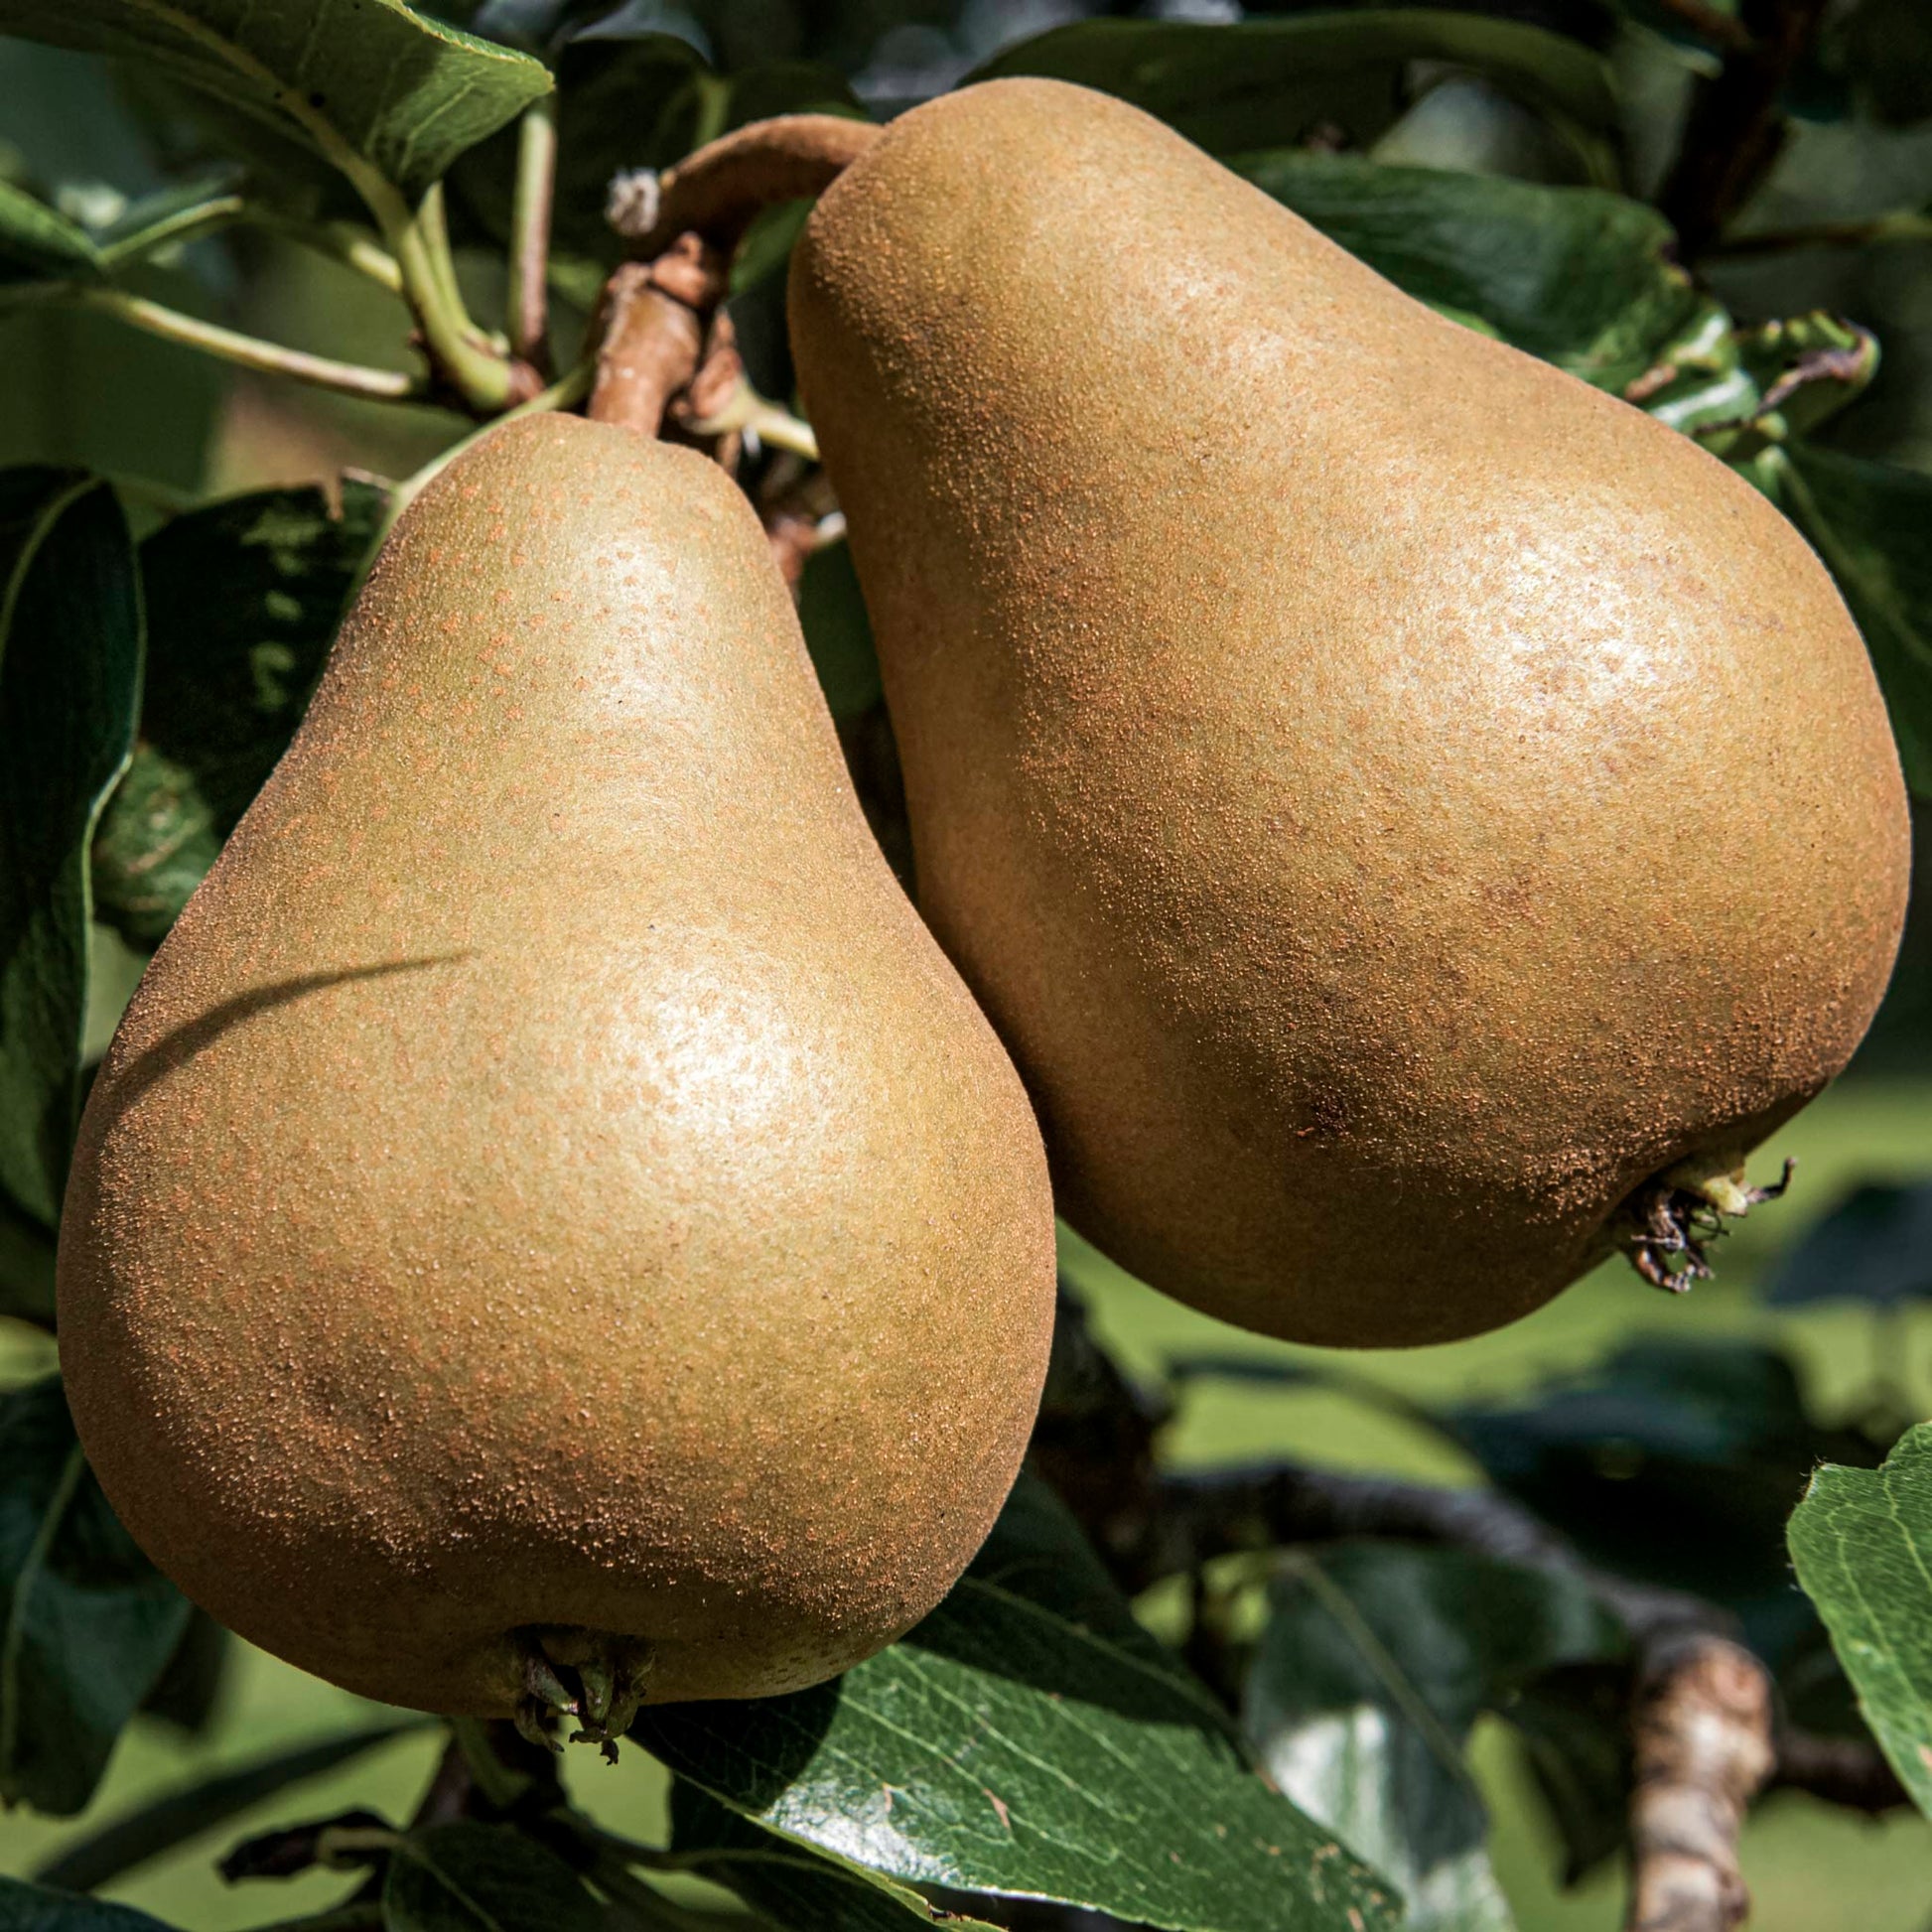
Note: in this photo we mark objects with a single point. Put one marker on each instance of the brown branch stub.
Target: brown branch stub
(719, 191)
(652, 324)
(1702, 1729)
(1848, 1771)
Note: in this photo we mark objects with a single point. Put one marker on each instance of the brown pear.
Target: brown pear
(552, 1228)
(1416, 820)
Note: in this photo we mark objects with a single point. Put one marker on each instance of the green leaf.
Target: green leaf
(1874, 1246)
(154, 845)
(25, 1268)
(70, 681)
(1574, 1726)
(838, 632)
(791, 1883)
(1861, 1539)
(467, 1878)
(1868, 522)
(86, 1622)
(1263, 83)
(1676, 1461)
(31, 1908)
(1028, 1738)
(375, 88)
(142, 1834)
(243, 599)
(1374, 1664)
(38, 243)
(1581, 277)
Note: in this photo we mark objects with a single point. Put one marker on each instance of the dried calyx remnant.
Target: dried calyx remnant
(1665, 1225)
(594, 1676)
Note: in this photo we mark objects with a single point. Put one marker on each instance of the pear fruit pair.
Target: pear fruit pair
(552, 1230)
(1416, 821)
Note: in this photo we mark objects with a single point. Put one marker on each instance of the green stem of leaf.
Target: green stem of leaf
(246, 352)
(1907, 224)
(481, 376)
(528, 318)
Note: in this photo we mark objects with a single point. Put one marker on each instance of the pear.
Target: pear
(552, 1230)
(1416, 821)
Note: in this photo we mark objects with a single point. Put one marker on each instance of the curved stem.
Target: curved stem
(748, 412)
(528, 318)
(484, 380)
(246, 352)
(719, 191)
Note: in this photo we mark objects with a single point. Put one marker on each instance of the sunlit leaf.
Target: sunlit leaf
(1029, 1738)
(1375, 1662)
(1861, 1539)
(372, 86)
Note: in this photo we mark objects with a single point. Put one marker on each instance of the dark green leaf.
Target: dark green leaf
(86, 1622)
(1674, 1461)
(467, 1878)
(132, 1840)
(838, 632)
(1580, 277)
(154, 844)
(1874, 1246)
(70, 682)
(244, 598)
(1375, 1662)
(1027, 1739)
(1265, 83)
(25, 1268)
(38, 243)
(1575, 1729)
(371, 85)
(1861, 1539)
(791, 1884)
(1883, 47)
(30, 1908)
(188, 1693)
(1868, 520)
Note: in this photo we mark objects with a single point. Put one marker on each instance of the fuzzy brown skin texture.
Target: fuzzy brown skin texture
(1391, 798)
(549, 1176)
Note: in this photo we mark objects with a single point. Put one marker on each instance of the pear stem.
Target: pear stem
(654, 325)
(719, 191)
(1667, 1224)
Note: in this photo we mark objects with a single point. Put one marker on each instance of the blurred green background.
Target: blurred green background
(175, 429)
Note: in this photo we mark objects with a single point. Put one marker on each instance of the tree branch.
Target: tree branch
(1701, 1702)
(1702, 1730)
(1736, 129)
(653, 327)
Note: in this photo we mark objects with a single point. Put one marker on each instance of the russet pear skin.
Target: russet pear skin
(549, 1188)
(1391, 800)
